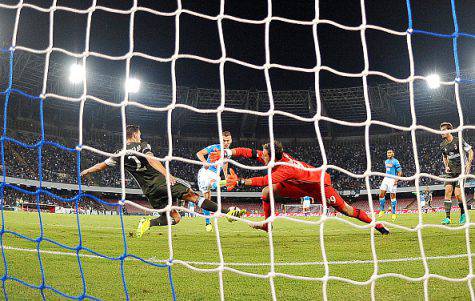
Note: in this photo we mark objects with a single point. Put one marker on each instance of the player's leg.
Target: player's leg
(204, 187)
(424, 208)
(204, 184)
(209, 205)
(449, 187)
(279, 190)
(382, 196)
(266, 206)
(382, 201)
(393, 205)
(208, 225)
(336, 201)
(157, 202)
(162, 219)
(458, 195)
(207, 181)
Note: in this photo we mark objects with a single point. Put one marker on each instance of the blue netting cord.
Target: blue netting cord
(4, 171)
(124, 255)
(454, 42)
(38, 201)
(409, 15)
(170, 278)
(79, 247)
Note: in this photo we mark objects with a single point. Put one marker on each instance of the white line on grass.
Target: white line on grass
(155, 260)
(83, 226)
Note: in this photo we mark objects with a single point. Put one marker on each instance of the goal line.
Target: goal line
(248, 264)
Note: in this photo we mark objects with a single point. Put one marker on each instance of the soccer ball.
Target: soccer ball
(232, 211)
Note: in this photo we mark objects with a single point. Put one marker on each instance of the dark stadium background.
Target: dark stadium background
(198, 82)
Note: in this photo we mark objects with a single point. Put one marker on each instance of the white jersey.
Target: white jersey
(306, 202)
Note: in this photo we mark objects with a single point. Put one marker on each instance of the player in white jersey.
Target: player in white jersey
(306, 200)
(390, 184)
(209, 176)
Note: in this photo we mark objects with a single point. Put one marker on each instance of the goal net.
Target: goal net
(222, 267)
(299, 209)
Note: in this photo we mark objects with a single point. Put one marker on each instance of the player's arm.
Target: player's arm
(238, 152)
(201, 155)
(469, 161)
(278, 176)
(446, 163)
(96, 168)
(158, 166)
(398, 170)
(469, 151)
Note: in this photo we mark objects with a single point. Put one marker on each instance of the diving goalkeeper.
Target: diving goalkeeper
(290, 182)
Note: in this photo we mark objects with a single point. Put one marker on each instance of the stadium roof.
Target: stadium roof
(388, 102)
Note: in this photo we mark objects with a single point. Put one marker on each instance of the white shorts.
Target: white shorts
(388, 185)
(205, 176)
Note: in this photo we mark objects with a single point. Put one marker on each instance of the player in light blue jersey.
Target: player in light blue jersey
(306, 200)
(390, 184)
(209, 176)
(191, 207)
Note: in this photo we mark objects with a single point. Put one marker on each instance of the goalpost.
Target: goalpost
(266, 67)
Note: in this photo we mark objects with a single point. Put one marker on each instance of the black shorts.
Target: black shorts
(158, 194)
(454, 184)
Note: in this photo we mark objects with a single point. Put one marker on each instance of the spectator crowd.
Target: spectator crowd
(58, 165)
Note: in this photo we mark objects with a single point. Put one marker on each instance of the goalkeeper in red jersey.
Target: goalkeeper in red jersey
(290, 182)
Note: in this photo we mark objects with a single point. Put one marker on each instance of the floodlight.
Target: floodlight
(76, 73)
(132, 85)
(433, 81)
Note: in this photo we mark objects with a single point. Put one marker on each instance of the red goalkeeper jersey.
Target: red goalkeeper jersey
(283, 173)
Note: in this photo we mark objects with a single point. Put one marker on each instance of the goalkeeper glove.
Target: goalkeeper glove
(233, 180)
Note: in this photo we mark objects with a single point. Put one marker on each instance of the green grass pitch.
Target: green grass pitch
(293, 242)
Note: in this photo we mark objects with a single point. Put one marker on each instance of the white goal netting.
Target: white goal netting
(316, 120)
(299, 209)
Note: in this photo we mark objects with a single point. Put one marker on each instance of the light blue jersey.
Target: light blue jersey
(306, 201)
(210, 149)
(392, 166)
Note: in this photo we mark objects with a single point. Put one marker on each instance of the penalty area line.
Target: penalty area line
(155, 260)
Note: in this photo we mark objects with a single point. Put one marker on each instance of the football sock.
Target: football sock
(267, 211)
(339, 204)
(207, 220)
(393, 206)
(361, 215)
(381, 203)
(208, 205)
(462, 210)
(447, 206)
